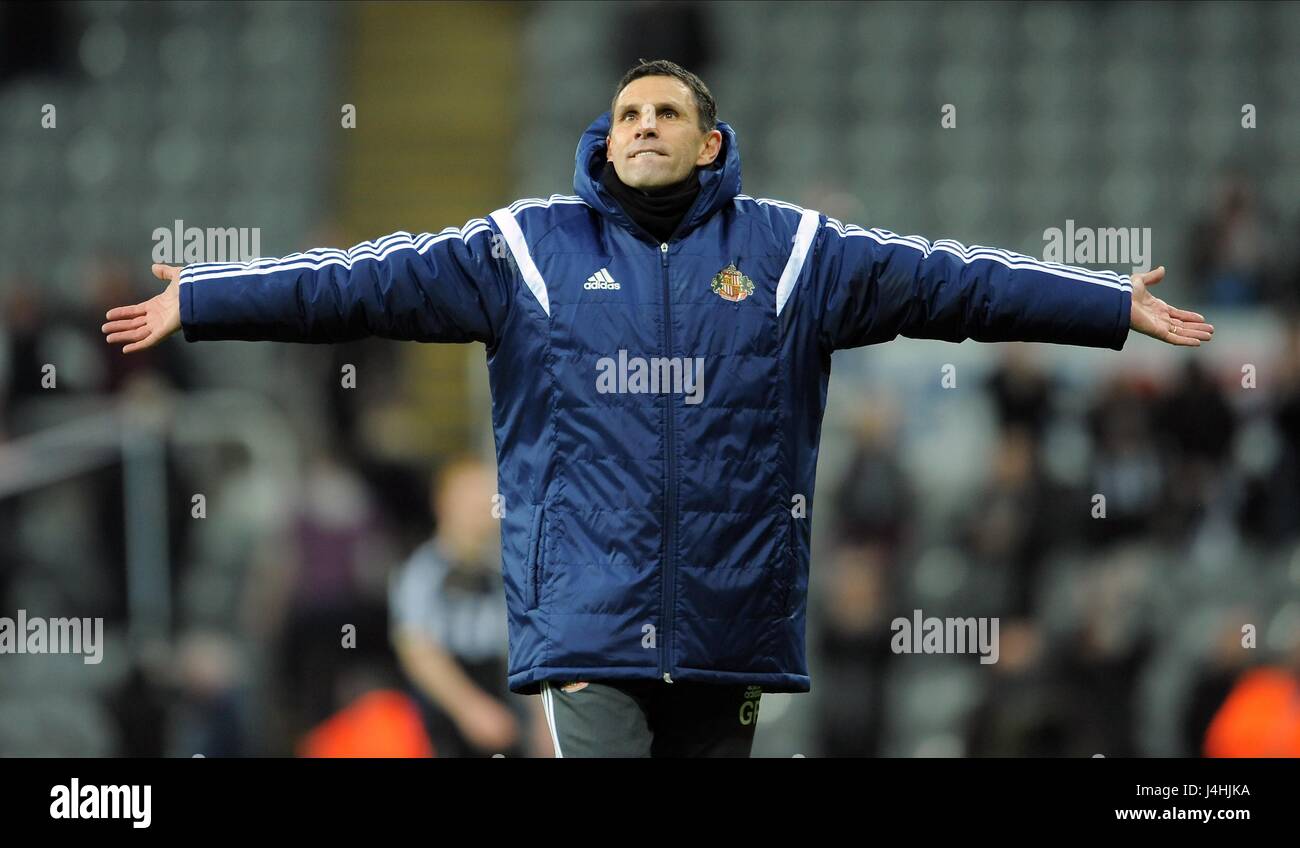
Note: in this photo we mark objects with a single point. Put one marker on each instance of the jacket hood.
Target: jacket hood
(719, 182)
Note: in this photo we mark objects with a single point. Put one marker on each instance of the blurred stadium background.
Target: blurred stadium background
(1119, 636)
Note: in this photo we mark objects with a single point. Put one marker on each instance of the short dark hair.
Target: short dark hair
(706, 107)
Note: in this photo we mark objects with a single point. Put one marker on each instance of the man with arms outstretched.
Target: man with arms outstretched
(659, 349)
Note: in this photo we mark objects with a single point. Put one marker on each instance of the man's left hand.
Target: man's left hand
(1152, 317)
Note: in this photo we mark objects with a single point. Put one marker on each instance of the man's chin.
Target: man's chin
(651, 181)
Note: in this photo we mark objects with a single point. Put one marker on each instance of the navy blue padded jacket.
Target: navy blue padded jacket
(657, 407)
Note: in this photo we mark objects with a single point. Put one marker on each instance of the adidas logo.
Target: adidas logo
(601, 280)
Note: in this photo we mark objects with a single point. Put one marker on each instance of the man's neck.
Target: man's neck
(659, 211)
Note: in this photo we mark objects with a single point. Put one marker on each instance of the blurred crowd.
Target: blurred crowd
(1130, 567)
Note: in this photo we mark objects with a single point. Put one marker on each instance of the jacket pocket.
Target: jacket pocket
(532, 574)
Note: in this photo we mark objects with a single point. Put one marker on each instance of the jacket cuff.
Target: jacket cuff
(1124, 319)
(186, 289)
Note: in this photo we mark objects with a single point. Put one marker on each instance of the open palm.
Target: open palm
(144, 325)
(1152, 317)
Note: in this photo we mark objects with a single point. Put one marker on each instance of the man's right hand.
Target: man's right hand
(146, 324)
(488, 725)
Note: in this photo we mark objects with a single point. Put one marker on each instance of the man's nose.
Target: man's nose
(647, 125)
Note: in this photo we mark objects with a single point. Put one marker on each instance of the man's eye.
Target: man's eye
(669, 112)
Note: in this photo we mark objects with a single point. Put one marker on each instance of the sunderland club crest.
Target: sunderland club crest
(730, 284)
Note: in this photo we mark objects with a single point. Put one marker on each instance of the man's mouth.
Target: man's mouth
(641, 153)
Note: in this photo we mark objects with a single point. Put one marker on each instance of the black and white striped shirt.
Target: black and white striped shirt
(461, 608)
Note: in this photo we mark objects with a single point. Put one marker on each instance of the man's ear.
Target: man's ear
(712, 147)
(609, 140)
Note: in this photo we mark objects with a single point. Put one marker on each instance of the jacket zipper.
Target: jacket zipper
(670, 505)
(665, 633)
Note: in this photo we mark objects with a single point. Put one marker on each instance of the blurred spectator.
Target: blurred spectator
(26, 318)
(1102, 655)
(1021, 712)
(679, 32)
(382, 723)
(1214, 678)
(1261, 717)
(211, 713)
(331, 584)
(141, 707)
(873, 500)
(1125, 466)
(1230, 247)
(852, 638)
(1078, 696)
(1196, 416)
(1021, 392)
(448, 619)
(1271, 504)
(1009, 530)
(1197, 426)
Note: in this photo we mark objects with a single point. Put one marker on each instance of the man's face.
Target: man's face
(655, 138)
(459, 505)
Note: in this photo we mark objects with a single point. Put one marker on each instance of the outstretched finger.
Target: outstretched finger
(128, 324)
(1186, 315)
(118, 313)
(129, 335)
(1184, 328)
(1179, 335)
(148, 341)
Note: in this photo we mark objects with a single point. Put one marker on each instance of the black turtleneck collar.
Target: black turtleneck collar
(658, 211)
